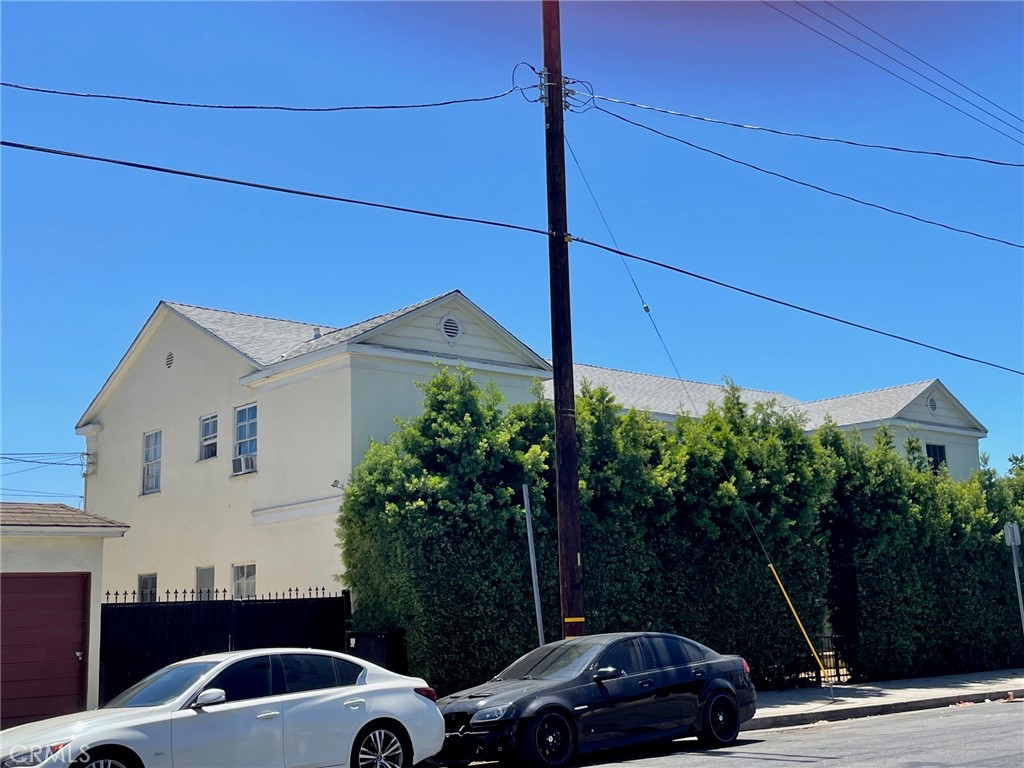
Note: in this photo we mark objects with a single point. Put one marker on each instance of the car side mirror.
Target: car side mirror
(606, 673)
(210, 696)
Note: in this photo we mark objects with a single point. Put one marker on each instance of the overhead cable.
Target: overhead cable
(643, 302)
(268, 187)
(894, 74)
(516, 227)
(795, 134)
(263, 107)
(790, 305)
(936, 83)
(808, 184)
(930, 66)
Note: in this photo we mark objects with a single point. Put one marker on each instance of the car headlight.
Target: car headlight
(29, 756)
(507, 711)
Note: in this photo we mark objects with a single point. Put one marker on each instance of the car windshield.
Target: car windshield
(557, 661)
(162, 686)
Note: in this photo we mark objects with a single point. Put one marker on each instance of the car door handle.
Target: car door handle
(267, 715)
(355, 703)
(646, 683)
(698, 673)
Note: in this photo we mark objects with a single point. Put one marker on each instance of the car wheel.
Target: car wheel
(721, 721)
(108, 759)
(548, 739)
(381, 745)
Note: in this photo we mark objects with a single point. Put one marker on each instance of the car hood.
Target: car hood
(66, 727)
(494, 693)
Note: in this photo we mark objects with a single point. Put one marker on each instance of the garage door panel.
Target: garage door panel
(39, 707)
(18, 672)
(39, 654)
(39, 631)
(40, 689)
(66, 599)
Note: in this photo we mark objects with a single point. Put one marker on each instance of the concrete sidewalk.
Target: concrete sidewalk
(803, 706)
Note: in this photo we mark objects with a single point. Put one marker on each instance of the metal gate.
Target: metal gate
(138, 638)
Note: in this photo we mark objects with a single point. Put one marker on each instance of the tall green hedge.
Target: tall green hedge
(679, 523)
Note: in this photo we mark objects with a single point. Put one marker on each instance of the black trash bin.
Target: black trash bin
(385, 648)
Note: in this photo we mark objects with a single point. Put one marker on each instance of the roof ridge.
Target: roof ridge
(400, 311)
(680, 379)
(870, 391)
(249, 314)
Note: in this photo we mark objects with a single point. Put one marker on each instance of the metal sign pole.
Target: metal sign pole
(533, 565)
(1011, 533)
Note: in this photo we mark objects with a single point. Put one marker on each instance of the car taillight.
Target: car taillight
(428, 693)
(746, 667)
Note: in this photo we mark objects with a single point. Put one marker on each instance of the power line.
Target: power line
(260, 107)
(40, 494)
(643, 302)
(907, 66)
(517, 227)
(809, 185)
(798, 135)
(797, 307)
(37, 461)
(271, 187)
(930, 66)
(894, 74)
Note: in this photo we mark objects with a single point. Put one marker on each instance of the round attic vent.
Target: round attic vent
(451, 328)
(170, 359)
(933, 404)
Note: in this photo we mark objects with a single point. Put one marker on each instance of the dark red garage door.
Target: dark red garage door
(44, 633)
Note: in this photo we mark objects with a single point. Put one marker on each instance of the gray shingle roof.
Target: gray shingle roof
(667, 397)
(30, 514)
(266, 340)
(863, 407)
(662, 395)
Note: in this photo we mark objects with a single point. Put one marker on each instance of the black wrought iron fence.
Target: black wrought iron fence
(139, 635)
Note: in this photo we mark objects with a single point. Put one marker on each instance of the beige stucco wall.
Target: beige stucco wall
(63, 554)
(962, 458)
(313, 423)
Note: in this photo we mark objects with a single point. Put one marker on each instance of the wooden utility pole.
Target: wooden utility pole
(570, 566)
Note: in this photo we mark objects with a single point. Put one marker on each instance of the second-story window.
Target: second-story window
(208, 437)
(151, 451)
(936, 455)
(245, 440)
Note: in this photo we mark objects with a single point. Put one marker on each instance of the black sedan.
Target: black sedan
(598, 692)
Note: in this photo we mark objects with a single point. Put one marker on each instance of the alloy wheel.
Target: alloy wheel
(554, 739)
(381, 748)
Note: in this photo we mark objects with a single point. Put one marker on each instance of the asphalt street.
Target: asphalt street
(967, 736)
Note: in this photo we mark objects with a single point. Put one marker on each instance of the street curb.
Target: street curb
(870, 710)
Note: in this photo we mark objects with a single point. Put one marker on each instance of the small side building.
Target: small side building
(51, 565)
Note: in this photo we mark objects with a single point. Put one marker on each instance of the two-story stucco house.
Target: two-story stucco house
(223, 439)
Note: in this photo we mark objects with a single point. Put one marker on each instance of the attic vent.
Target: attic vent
(316, 333)
(170, 359)
(451, 328)
(933, 404)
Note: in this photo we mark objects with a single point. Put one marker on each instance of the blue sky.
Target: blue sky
(88, 250)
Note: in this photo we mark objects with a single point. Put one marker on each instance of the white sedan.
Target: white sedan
(266, 708)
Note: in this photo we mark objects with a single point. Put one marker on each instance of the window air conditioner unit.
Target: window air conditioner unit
(242, 464)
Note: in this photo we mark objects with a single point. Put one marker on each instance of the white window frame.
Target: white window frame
(208, 592)
(243, 581)
(246, 426)
(147, 594)
(208, 437)
(152, 451)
